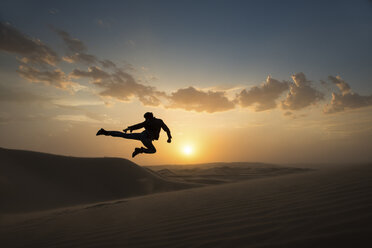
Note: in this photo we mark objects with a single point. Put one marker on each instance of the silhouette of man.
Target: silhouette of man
(152, 127)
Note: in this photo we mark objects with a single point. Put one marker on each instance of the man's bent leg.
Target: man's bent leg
(150, 148)
(147, 142)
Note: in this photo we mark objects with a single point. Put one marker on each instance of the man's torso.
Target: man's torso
(153, 126)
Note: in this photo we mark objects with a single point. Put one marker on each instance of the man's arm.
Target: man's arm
(166, 129)
(135, 127)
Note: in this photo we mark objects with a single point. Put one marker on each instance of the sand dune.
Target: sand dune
(323, 208)
(218, 173)
(33, 181)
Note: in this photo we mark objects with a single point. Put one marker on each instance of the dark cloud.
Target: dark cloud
(34, 54)
(55, 77)
(341, 84)
(264, 96)
(80, 58)
(76, 49)
(94, 72)
(31, 50)
(301, 94)
(346, 99)
(107, 63)
(200, 101)
(73, 44)
(123, 87)
(120, 85)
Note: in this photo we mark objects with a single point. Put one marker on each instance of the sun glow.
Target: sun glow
(187, 150)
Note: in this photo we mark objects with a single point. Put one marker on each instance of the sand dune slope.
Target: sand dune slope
(325, 208)
(219, 173)
(33, 181)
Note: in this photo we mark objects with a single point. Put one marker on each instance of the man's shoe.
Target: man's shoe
(101, 132)
(136, 152)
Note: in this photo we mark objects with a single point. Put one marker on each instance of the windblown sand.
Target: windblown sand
(327, 207)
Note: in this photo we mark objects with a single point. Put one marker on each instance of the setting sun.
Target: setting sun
(187, 150)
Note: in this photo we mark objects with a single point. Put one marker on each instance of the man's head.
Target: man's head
(148, 115)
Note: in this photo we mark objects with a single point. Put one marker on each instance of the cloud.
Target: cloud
(120, 85)
(73, 44)
(197, 100)
(94, 72)
(301, 94)
(107, 63)
(34, 54)
(32, 50)
(76, 49)
(264, 96)
(80, 58)
(341, 84)
(55, 77)
(347, 99)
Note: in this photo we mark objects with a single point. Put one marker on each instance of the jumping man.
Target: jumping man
(152, 127)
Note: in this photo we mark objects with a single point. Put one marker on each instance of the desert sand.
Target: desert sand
(56, 201)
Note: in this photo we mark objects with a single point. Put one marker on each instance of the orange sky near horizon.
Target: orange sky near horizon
(221, 137)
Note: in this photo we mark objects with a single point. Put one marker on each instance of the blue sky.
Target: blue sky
(244, 40)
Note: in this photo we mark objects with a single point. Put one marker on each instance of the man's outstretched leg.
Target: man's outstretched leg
(135, 136)
(101, 132)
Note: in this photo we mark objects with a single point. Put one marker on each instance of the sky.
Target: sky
(268, 81)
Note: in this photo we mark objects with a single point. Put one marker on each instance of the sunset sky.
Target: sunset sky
(268, 81)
